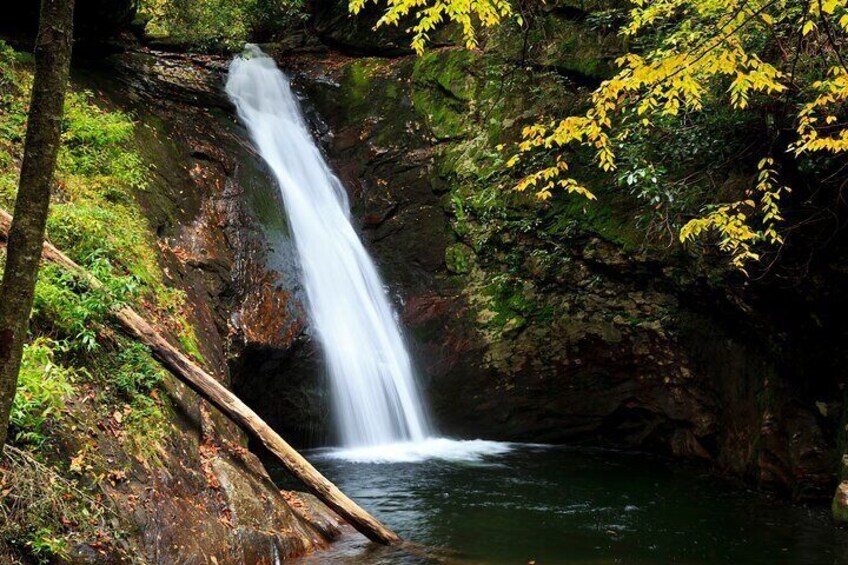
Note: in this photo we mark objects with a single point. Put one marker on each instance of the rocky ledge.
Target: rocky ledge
(565, 324)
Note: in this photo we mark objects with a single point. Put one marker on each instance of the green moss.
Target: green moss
(570, 47)
(172, 303)
(444, 116)
(188, 339)
(610, 217)
(476, 159)
(368, 86)
(459, 258)
(444, 88)
(358, 81)
(450, 70)
(508, 303)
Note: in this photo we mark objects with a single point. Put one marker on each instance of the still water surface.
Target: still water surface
(577, 506)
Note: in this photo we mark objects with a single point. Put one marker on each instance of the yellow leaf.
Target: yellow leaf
(808, 27)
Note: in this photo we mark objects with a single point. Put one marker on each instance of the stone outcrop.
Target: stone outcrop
(203, 497)
(560, 324)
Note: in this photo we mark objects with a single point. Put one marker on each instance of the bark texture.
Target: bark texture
(26, 235)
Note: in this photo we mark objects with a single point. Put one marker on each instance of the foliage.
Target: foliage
(136, 372)
(731, 222)
(430, 14)
(776, 58)
(73, 356)
(73, 308)
(43, 386)
(221, 23)
(99, 175)
(700, 54)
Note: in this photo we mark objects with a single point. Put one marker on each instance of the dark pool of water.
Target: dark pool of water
(579, 506)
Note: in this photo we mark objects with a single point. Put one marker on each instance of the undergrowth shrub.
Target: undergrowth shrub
(137, 372)
(43, 386)
(43, 515)
(222, 23)
(96, 220)
(94, 217)
(73, 309)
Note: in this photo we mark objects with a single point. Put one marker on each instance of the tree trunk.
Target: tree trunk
(224, 400)
(26, 236)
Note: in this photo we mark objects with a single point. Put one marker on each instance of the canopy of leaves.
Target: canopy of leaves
(777, 58)
(221, 23)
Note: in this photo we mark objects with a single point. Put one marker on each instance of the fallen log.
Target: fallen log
(219, 396)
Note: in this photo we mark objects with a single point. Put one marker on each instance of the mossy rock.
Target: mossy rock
(444, 87)
(459, 258)
(576, 51)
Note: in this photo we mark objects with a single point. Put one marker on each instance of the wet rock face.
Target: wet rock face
(336, 27)
(289, 390)
(209, 202)
(556, 326)
(560, 327)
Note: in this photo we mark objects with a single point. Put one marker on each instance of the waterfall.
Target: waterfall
(376, 399)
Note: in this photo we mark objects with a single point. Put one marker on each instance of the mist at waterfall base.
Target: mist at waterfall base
(377, 404)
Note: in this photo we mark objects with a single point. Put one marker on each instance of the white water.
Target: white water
(377, 404)
(430, 448)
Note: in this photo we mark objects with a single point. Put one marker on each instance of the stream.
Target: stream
(575, 506)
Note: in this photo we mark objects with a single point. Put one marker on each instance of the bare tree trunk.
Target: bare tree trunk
(26, 237)
(224, 400)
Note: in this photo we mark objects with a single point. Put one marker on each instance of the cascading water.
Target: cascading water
(377, 403)
(375, 395)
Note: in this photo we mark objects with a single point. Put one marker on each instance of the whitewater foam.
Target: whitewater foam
(376, 399)
(416, 452)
